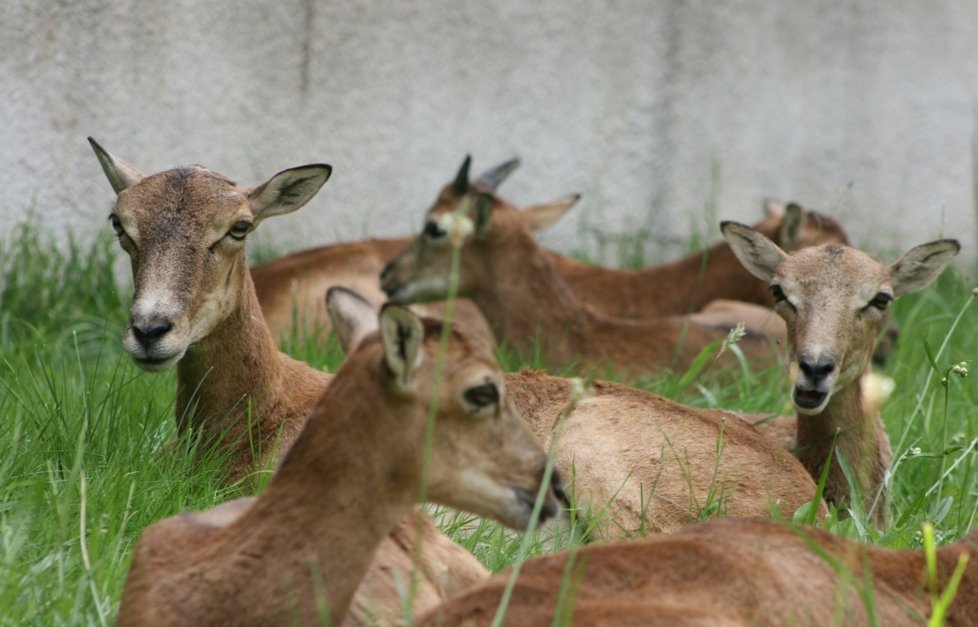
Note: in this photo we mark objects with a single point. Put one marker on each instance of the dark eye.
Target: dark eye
(240, 230)
(433, 230)
(881, 300)
(778, 294)
(483, 395)
(117, 225)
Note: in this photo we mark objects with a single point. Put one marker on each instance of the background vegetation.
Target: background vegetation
(83, 468)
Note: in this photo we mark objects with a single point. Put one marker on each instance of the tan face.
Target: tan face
(832, 299)
(184, 231)
(483, 457)
(464, 214)
(493, 466)
(422, 271)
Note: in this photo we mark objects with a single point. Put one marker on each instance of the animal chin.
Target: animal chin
(809, 401)
(154, 361)
(153, 364)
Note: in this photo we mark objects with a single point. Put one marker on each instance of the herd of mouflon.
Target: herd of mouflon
(420, 411)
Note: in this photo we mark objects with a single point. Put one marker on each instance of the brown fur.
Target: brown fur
(509, 277)
(724, 572)
(693, 281)
(352, 475)
(639, 463)
(233, 386)
(290, 289)
(827, 301)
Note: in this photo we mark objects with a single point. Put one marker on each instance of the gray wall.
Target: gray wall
(664, 114)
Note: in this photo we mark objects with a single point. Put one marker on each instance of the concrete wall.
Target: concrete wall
(665, 114)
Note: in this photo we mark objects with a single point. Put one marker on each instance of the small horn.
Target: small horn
(491, 178)
(461, 184)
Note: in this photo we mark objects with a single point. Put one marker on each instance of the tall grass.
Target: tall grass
(84, 466)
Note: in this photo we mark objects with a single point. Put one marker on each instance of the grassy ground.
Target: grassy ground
(83, 468)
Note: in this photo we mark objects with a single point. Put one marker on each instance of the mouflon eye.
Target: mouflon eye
(433, 230)
(881, 300)
(240, 229)
(483, 395)
(117, 225)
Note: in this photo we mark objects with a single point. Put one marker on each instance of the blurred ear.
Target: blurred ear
(921, 265)
(121, 175)
(758, 254)
(791, 223)
(494, 176)
(773, 208)
(402, 334)
(461, 183)
(546, 214)
(352, 315)
(288, 190)
(482, 214)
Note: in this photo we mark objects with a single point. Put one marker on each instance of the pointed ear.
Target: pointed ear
(758, 254)
(494, 176)
(121, 175)
(352, 315)
(482, 214)
(288, 190)
(921, 265)
(773, 208)
(546, 214)
(402, 334)
(791, 223)
(461, 183)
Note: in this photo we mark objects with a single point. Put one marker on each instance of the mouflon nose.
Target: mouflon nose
(149, 331)
(816, 368)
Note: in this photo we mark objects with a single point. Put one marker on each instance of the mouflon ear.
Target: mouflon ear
(352, 315)
(773, 208)
(758, 254)
(402, 334)
(461, 183)
(494, 176)
(794, 217)
(921, 265)
(288, 190)
(546, 214)
(121, 175)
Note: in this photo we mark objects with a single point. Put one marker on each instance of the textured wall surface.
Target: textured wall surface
(666, 115)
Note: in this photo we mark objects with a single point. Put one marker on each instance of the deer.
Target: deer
(290, 288)
(639, 463)
(725, 572)
(298, 552)
(509, 277)
(194, 307)
(833, 300)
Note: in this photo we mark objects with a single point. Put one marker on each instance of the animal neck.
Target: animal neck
(522, 280)
(236, 366)
(319, 523)
(846, 426)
